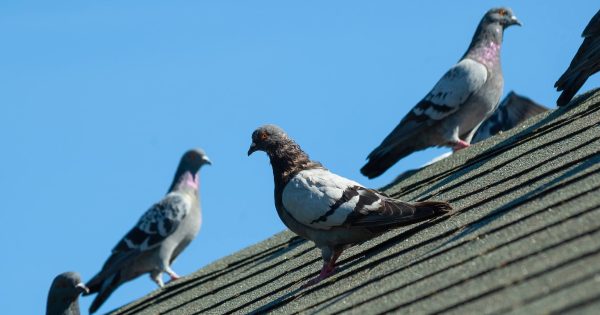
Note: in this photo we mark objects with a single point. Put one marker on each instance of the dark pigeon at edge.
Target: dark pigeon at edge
(585, 63)
(63, 297)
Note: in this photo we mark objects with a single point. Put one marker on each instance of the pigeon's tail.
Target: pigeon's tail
(422, 211)
(582, 66)
(569, 83)
(429, 209)
(380, 162)
(104, 289)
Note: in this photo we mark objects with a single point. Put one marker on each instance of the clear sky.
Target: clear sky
(99, 99)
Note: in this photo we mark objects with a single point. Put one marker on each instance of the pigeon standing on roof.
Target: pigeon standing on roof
(513, 110)
(585, 63)
(63, 297)
(160, 235)
(461, 100)
(330, 210)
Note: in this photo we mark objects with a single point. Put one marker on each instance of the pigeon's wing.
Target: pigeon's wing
(451, 91)
(513, 110)
(322, 200)
(160, 221)
(585, 63)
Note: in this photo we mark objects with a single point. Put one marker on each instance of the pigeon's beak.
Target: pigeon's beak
(82, 288)
(515, 21)
(206, 160)
(252, 148)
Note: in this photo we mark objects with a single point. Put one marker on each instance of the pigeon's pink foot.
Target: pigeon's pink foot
(173, 275)
(460, 145)
(325, 272)
(328, 268)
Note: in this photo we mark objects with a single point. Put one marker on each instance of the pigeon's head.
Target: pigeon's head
(68, 284)
(503, 16)
(267, 138)
(194, 159)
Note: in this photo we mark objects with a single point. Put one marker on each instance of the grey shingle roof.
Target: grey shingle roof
(525, 239)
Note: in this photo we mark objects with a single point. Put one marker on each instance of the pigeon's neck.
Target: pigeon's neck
(288, 160)
(185, 180)
(485, 46)
(66, 306)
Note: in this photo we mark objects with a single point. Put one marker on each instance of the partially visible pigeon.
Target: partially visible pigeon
(462, 99)
(585, 63)
(330, 210)
(63, 297)
(160, 235)
(513, 110)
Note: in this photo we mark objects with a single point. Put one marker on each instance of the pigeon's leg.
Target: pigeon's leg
(460, 145)
(156, 276)
(454, 141)
(330, 256)
(174, 276)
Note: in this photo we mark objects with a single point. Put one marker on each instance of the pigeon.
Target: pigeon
(63, 297)
(513, 110)
(460, 101)
(159, 236)
(332, 211)
(585, 63)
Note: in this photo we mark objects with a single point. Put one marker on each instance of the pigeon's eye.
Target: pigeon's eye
(263, 136)
(502, 12)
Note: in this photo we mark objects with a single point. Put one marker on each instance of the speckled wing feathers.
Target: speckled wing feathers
(160, 221)
(155, 225)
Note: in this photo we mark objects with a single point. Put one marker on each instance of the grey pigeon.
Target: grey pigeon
(461, 100)
(332, 211)
(160, 235)
(63, 297)
(513, 110)
(585, 63)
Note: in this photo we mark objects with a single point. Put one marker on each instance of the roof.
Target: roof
(524, 239)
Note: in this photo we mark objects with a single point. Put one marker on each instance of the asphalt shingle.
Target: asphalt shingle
(523, 240)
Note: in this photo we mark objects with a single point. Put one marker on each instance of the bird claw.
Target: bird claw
(174, 277)
(460, 145)
(325, 273)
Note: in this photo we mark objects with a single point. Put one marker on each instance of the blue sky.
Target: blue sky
(99, 99)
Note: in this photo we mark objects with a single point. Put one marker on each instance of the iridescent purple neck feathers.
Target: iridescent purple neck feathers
(486, 43)
(185, 181)
(487, 54)
(288, 159)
